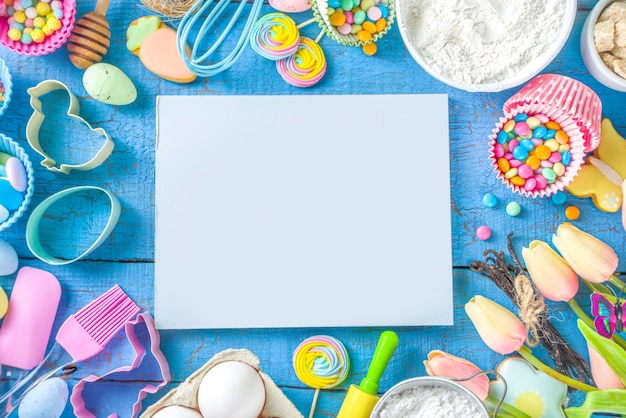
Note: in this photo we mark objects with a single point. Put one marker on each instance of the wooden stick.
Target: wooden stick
(306, 22)
(312, 412)
(102, 6)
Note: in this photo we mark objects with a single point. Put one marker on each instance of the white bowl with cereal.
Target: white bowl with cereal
(603, 43)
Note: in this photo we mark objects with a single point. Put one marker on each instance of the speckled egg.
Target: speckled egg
(8, 259)
(47, 399)
(291, 6)
(108, 84)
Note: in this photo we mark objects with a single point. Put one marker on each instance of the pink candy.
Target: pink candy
(483, 233)
(521, 128)
(524, 171)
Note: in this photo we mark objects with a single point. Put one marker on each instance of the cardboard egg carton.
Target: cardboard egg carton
(277, 405)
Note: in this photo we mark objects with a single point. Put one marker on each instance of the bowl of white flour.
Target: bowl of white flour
(484, 46)
(429, 397)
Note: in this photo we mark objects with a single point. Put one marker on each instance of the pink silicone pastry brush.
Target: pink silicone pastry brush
(81, 336)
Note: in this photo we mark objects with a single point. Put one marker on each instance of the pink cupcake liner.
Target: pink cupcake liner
(51, 43)
(551, 92)
(576, 142)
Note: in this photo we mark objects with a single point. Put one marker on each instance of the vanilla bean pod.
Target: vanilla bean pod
(503, 274)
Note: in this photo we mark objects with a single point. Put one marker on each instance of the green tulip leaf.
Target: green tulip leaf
(608, 401)
(611, 352)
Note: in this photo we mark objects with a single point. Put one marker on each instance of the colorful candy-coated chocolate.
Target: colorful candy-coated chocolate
(366, 18)
(559, 198)
(490, 200)
(572, 213)
(9, 197)
(513, 209)
(521, 128)
(370, 49)
(16, 174)
(524, 171)
(531, 184)
(533, 122)
(483, 233)
(536, 144)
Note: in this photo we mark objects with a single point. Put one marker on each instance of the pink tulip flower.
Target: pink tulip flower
(442, 364)
(603, 375)
(498, 327)
(589, 257)
(551, 275)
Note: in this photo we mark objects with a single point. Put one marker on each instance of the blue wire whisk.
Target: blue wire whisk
(195, 30)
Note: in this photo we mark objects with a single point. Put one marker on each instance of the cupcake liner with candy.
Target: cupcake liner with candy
(580, 105)
(576, 154)
(10, 147)
(577, 111)
(323, 14)
(45, 43)
(6, 87)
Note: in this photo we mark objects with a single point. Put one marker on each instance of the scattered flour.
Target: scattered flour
(429, 402)
(482, 41)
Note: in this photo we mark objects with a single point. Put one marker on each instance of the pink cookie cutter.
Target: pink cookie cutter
(78, 403)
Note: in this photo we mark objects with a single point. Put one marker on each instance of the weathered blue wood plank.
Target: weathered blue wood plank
(127, 257)
(189, 350)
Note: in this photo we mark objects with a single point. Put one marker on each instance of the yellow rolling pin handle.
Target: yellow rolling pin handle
(361, 400)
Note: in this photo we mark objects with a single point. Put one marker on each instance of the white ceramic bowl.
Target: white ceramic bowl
(390, 398)
(403, 8)
(592, 59)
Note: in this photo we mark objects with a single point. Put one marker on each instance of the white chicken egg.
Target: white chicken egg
(177, 411)
(47, 399)
(231, 389)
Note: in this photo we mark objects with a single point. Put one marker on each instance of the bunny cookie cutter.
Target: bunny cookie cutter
(146, 343)
(38, 116)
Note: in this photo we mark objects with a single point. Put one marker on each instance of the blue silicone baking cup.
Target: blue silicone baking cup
(7, 83)
(9, 146)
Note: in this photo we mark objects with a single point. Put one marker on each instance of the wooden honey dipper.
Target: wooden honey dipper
(90, 39)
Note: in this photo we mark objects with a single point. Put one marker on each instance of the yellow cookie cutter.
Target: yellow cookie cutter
(36, 120)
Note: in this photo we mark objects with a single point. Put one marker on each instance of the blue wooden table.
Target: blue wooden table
(127, 257)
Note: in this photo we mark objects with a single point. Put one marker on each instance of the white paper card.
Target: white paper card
(302, 211)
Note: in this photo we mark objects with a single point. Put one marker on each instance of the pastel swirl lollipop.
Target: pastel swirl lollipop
(321, 362)
(275, 36)
(304, 68)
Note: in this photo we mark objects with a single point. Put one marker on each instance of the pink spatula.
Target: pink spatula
(81, 336)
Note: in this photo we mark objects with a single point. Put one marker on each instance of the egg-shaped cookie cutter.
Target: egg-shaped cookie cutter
(36, 120)
(32, 226)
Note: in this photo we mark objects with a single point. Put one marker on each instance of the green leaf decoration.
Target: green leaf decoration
(608, 401)
(611, 352)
